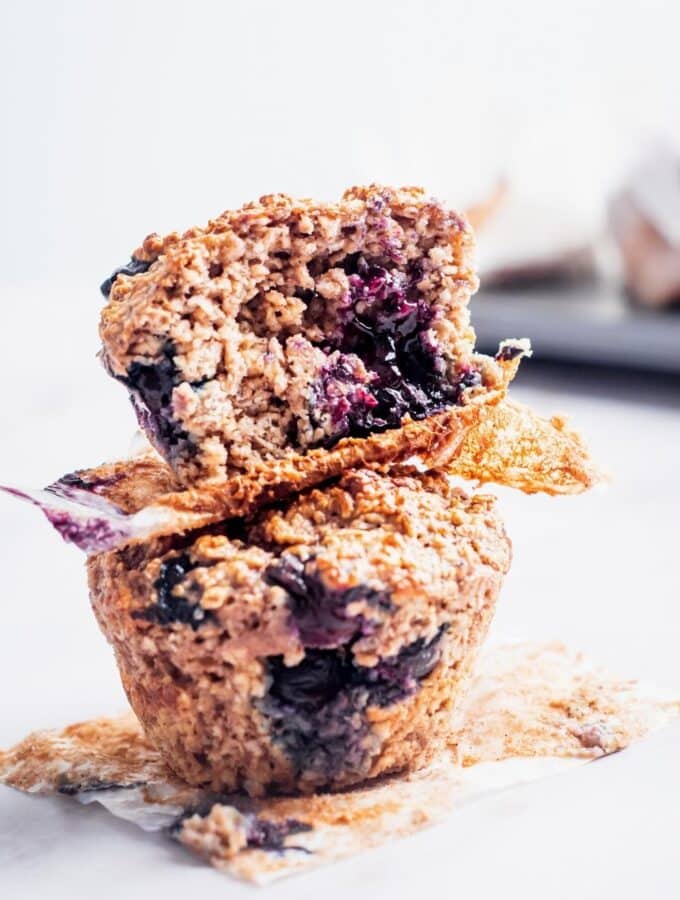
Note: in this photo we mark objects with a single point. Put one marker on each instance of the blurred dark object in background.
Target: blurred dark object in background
(595, 325)
(524, 245)
(644, 218)
(602, 296)
(572, 266)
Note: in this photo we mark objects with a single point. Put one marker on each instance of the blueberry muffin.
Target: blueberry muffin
(290, 330)
(320, 644)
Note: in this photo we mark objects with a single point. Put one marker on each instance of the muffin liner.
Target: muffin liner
(532, 710)
(136, 499)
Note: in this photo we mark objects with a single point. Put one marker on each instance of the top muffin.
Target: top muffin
(289, 329)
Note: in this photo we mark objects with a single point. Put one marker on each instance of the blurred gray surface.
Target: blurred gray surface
(592, 324)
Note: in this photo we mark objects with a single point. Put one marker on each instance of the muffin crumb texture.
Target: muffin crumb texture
(287, 326)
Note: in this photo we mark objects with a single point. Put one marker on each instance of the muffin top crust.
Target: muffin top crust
(374, 560)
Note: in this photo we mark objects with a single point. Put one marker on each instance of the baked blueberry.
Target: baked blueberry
(170, 605)
(134, 267)
(265, 835)
(317, 709)
(321, 614)
(151, 388)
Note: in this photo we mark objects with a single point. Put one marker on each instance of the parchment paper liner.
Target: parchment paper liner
(532, 710)
(139, 498)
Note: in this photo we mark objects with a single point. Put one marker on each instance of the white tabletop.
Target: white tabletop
(599, 572)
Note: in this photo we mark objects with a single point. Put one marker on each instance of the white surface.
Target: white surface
(599, 571)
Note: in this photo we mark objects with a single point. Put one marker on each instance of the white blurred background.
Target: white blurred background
(123, 118)
(129, 117)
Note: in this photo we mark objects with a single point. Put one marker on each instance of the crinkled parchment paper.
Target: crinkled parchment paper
(532, 710)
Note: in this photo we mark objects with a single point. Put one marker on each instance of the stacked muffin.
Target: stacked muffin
(307, 375)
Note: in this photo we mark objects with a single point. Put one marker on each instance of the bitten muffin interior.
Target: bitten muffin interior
(289, 325)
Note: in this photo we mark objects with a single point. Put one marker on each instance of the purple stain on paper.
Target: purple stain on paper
(69, 486)
(90, 535)
(91, 530)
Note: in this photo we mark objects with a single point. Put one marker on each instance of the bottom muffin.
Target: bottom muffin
(317, 645)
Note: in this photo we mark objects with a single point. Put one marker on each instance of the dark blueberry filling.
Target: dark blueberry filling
(134, 267)
(343, 394)
(70, 789)
(320, 614)
(317, 709)
(75, 480)
(386, 324)
(260, 834)
(169, 607)
(69, 485)
(393, 679)
(509, 351)
(150, 386)
(265, 835)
